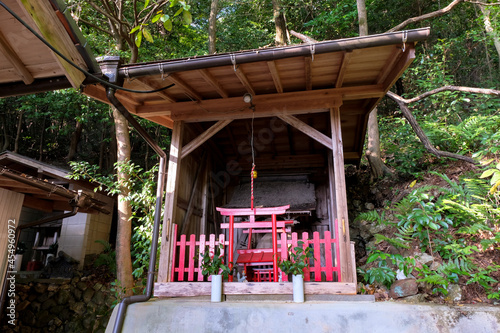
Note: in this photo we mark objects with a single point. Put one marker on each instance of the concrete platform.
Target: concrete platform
(199, 315)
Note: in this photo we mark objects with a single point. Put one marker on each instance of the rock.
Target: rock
(43, 318)
(369, 206)
(87, 295)
(81, 285)
(57, 322)
(403, 288)
(63, 296)
(48, 304)
(53, 287)
(98, 298)
(97, 286)
(414, 299)
(454, 293)
(424, 258)
(28, 318)
(77, 293)
(400, 275)
(23, 305)
(35, 306)
(57, 309)
(78, 307)
(40, 288)
(434, 266)
(43, 297)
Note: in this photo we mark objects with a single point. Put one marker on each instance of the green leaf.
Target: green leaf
(147, 35)
(146, 3)
(138, 39)
(187, 17)
(135, 29)
(164, 18)
(156, 18)
(168, 25)
(487, 173)
(180, 10)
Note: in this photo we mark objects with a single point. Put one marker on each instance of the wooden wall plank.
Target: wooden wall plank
(174, 164)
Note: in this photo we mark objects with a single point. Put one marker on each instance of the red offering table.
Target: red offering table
(255, 256)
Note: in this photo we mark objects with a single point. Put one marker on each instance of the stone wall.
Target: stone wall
(80, 304)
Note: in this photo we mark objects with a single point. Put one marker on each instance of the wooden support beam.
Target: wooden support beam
(341, 196)
(308, 130)
(404, 62)
(186, 289)
(244, 80)
(333, 199)
(343, 66)
(276, 76)
(396, 54)
(184, 86)
(15, 61)
(46, 20)
(188, 148)
(174, 166)
(215, 84)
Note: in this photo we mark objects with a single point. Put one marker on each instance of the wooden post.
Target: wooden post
(346, 260)
(167, 242)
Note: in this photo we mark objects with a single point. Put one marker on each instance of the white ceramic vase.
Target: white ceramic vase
(216, 295)
(298, 288)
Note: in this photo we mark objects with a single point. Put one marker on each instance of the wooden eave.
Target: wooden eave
(302, 80)
(29, 66)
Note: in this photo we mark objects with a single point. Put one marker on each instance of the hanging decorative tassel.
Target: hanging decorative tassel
(253, 174)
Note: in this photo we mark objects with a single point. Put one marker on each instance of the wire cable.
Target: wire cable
(104, 82)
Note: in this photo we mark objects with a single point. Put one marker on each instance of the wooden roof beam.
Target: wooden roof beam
(184, 86)
(244, 80)
(343, 67)
(275, 75)
(396, 54)
(45, 19)
(207, 76)
(15, 61)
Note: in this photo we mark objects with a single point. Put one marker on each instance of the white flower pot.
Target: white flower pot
(19, 261)
(216, 288)
(298, 288)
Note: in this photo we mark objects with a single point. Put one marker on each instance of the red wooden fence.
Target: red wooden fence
(326, 266)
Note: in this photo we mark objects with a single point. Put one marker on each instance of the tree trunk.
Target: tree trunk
(212, 23)
(6, 136)
(124, 230)
(377, 166)
(75, 139)
(18, 133)
(40, 148)
(282, 36)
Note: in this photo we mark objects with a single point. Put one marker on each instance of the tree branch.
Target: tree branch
(471, 90)
(436, 13)
(304, 38)
(96, 27)
(420, 133)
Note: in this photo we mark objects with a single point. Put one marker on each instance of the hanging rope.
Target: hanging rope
(253, 173)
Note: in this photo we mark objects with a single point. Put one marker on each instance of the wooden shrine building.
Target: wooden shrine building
(298, 112)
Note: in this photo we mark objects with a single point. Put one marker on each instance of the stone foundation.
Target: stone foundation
(80, 304)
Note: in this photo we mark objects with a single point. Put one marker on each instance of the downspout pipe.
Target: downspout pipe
(48, 219)
(122, 307)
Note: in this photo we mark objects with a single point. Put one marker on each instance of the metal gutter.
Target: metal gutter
(109, 67)
(237, 58)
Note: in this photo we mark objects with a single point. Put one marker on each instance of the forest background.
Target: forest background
(456, 221)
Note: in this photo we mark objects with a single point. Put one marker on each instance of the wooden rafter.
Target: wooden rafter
(244, 80)
(184, 86)
(150, 85)
(343, 67)
(45, 18)
(214, 129)
(275, 75)
(15, 61)
(215, 84)
(400, 66)
(396, 54)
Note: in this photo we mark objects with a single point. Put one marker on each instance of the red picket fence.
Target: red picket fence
(324, 267)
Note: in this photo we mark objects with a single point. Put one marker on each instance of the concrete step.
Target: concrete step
(200, 315)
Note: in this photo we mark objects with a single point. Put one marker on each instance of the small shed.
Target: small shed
(294, 111)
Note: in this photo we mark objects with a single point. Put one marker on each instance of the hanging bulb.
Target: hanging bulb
(254, 174)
